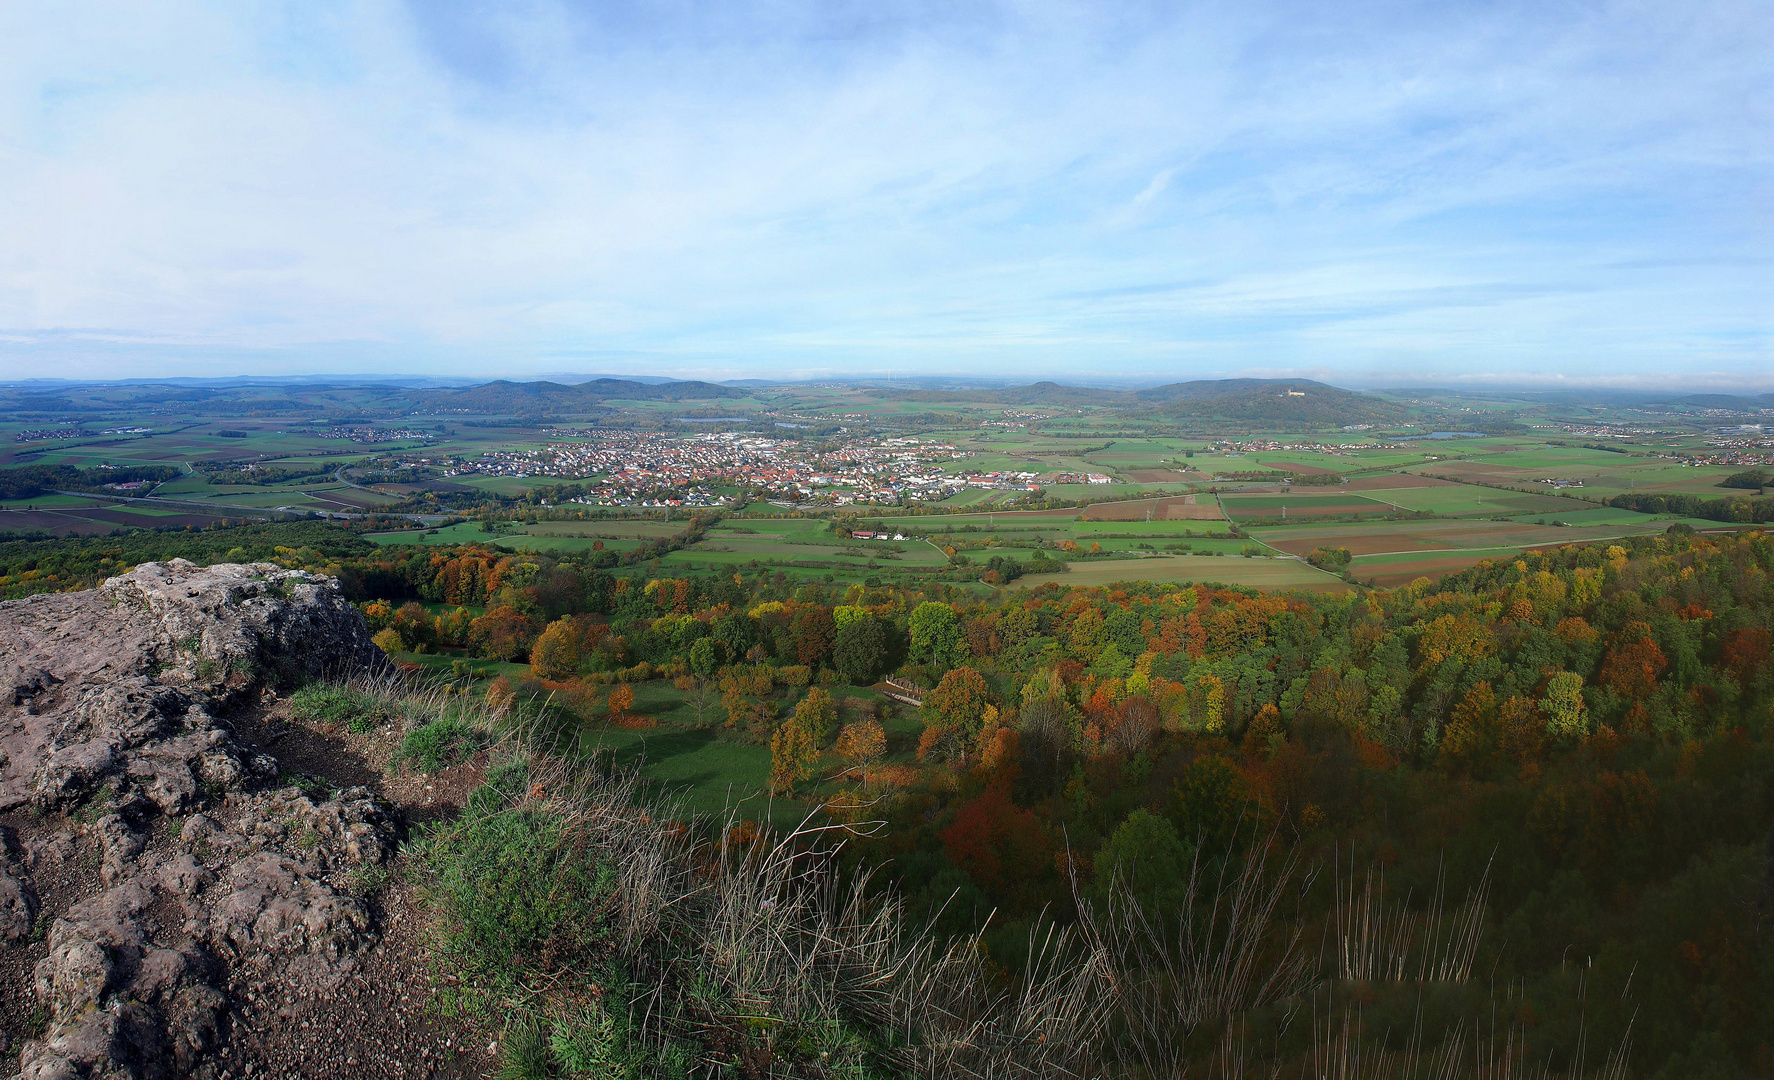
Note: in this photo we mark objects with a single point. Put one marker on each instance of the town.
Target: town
(659, 470)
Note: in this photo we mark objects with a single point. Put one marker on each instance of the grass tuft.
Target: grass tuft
(358, 708)
(441, 743)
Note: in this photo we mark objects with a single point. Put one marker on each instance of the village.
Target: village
(1248, 446)
(658, 470)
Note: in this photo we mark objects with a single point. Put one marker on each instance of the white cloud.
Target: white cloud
(734, 191)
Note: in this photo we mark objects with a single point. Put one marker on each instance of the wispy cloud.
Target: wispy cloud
(1037, 188)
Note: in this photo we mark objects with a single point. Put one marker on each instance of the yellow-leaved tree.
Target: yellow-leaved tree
(864, 743)
(555, 656)
(793, 753)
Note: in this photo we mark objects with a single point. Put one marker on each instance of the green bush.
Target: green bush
(330, 703)
(592, 1040)
(439, 744)
(516, 891)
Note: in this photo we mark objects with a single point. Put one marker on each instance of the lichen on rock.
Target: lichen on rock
(114, 711)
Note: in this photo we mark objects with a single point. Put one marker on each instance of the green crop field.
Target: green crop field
(606, 529)
(50, 500)
(465, 533)
(1472, 499)
(1261, 573)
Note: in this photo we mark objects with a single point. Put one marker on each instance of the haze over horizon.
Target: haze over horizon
(1372, 195)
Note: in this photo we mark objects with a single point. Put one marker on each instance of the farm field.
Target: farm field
(464, 533)
(52, 501)
(551, 542)
(1175, 508)
(1158, 465)
(1260, 573)
(1220, 545)
(1246, 507)
(606, 529)
(1602, 474)
(737, 550)
(1387, 571)
(1455, 499)
(1481, 535)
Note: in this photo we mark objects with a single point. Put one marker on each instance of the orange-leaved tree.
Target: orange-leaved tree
(864, 743)
(954, 712)
(793, 753)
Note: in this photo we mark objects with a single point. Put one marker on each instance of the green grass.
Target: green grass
(1082, 529)
(1472, 499)
(504, 485)
(710, 773)
(54, 502)
(606, 529)
(511, 889)
(439, 744)
(772, 525)
(1303, 501)
(438, 663)
(145, 510)
(330, 703)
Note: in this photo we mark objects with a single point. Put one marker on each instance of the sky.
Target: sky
(1374, 194)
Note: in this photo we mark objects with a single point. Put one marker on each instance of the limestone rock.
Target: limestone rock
(114, 701)
(18, 893)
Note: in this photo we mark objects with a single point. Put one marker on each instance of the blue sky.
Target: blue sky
(1372, 193)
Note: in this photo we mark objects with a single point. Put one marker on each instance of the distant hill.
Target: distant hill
(1050, 393)
(1293, 401)
(1733, 402)
(532, 397)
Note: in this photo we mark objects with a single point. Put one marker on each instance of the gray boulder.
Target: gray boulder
(113, 702)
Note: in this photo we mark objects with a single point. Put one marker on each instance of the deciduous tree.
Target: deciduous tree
(555, 656)
(863, 742)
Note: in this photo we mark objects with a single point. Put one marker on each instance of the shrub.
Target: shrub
(818, 714)
(440, 744)
(388, 640)
(794, 751)
(332, 703)
(1332, 559)
(516, 893)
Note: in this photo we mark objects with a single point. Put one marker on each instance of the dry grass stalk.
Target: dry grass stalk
(1375, 937)
(1227, 954)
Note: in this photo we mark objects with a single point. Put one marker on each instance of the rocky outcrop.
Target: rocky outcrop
(113, 707)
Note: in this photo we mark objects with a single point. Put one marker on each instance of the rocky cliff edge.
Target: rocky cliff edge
(116, 749)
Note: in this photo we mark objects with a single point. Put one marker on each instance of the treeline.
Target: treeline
(241, 473)
(1737, 509)
(30, 481)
